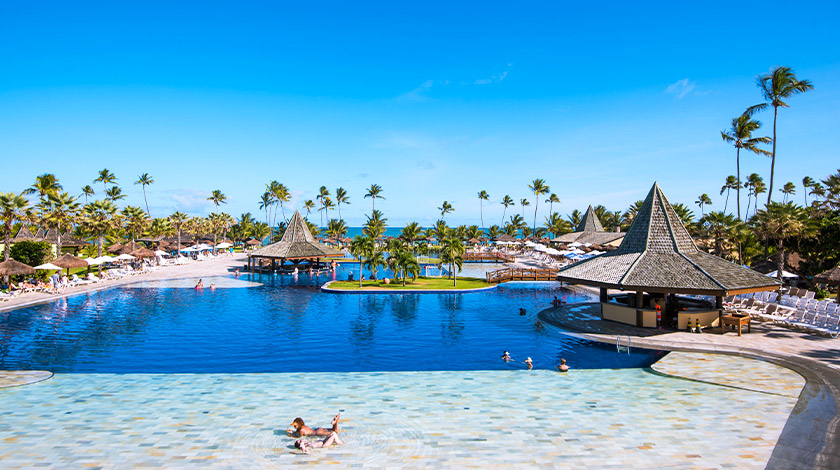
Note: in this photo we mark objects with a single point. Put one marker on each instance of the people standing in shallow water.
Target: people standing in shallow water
(301, 429)
(529, 363)
(304, 446)
(200, 284)
(563, 367)
(506, 357)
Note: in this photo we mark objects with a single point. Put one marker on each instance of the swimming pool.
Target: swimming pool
(283, 323)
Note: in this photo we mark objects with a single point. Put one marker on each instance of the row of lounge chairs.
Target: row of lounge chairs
(802, 313)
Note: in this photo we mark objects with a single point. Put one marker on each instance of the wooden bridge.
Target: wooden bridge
(489, 257)
(522, 274)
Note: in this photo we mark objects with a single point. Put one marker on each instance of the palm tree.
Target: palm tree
(741, 135)
(217, 197)
(308, 204)
(160, 227)
(722, 227)
(260, 230)
(405, 262)
(517, 223)
(524, 203)
(280, 194)
(106, 178)
(178, 219)
(807, 183)
(778, 85)
(375, 225)
(818, 190)
(701, 201)
(327, 205)
(265, 203)
(612, 221)
(373, 193)
(217, 222)
(576, 216)
(145, 179)
(556, 225)
(100, 217)
(12, 207)
(323, 193)
(336, 228)
(87, 192)
(494, 231)
(114, 193)
(44, 185)
(758, 188)
(136, 222)
(473, 232)
(60, 212)
(551, 201)
(341, 197)
(506, 201)
(445, 209)
(482, 196)
(361, 247)
(731, 183)
(753, 181)
(374, 261)
(788, 189)
(538, 187)
(452, 252)
(781, 222)
(411, 233)
(684, 213)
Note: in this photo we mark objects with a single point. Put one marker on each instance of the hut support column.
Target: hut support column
(719, 302)
(640, 299)
(603, 292)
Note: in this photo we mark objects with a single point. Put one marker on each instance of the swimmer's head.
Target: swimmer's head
(297, 424)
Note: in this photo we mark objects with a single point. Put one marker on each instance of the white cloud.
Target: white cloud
(419, 93)
(681, 87)
(494, 78)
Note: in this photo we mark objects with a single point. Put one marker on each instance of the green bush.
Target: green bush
(33, 254)
(821, 293)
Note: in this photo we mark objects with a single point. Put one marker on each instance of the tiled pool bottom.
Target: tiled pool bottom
(586, 418)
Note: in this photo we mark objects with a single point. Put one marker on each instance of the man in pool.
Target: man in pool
(562, 367)
(304, 446)
(301, 429)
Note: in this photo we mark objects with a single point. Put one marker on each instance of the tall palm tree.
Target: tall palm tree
(327, 205)
(538, 187)
(106, 178)
(452, 252)
(280, 195)
(445, 208)
(87, 192)
(136, 221)
(753, 181)
(740, 134)
(374, 193)
(12, 207)
(60, 212)
(551, 201)
(731, 183)
(517, 224)
(494, 231)
(576, 216)
(178, 219)
(99, 218)
(556, 225)
(524, 203)
(217, 197)
(778, 85)
(217, 222)
(482, 196)
(807, 183)
(780, 222)
(44, 185)
(788, 189)
(702, 201)
(375, 225)
(411, 233)
(308, 204)
(265, 204)
(758, 188)
(341, 197)
(145, 179)
(506, 201)
(323, 193)
(336, 228)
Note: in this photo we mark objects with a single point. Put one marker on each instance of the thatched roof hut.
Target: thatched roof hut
(658, 255)
(25, 234)
(12, 267)
(297, 244)
(830, 277)
(505, 238)
(590, 230)
(68, 261)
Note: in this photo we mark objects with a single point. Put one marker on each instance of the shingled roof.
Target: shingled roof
(590, 222)
(658, 255)
(297, 243)
(589, 230)
(24, 234)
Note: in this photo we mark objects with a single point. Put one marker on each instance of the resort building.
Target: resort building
(590, 230)
(297, 246)
(658, 257)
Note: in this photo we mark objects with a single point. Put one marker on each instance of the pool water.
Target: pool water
(284, 323)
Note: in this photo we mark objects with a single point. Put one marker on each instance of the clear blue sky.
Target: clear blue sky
(433, 101)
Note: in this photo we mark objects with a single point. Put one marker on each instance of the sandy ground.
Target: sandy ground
(215, 267)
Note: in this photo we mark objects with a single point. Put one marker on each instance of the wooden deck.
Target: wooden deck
(522, 274)
(489, 257)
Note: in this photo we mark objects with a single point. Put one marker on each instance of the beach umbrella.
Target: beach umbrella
(105, 259)
(228, 245)
(48, 267)
(93, 261)
(68, 261)
(785, 274)
(125, 256)
(160, 253)
(12, 267)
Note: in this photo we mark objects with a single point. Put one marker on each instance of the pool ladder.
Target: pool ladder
(619, 347)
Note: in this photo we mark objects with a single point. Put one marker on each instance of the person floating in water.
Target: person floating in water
(304, 446)
(522, 312)
(212, 286)
(236, 273)
(301, 429)
(506, 357)
(563, 367)
(200, 284)
(555, 302)
(529, 363)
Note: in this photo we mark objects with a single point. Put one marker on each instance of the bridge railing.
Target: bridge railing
(522, 274)
(496, 257)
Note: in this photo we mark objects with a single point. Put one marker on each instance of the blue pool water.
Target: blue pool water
(289, 325)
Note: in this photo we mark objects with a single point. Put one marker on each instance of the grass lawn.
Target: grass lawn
(422, 283)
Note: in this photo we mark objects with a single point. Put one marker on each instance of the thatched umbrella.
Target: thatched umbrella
(69, 261)
(115, 248)
(253, 241)
(143, 252)
(830, 277)
(11, 267)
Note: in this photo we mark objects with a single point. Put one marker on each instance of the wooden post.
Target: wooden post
(640, 299)
(719, 302)
(603, 292)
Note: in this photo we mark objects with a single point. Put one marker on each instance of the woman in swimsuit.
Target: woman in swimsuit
(301, 429)
(331, 439)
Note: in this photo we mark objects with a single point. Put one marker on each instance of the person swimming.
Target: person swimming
(301, 429)
(506, 357)
(529, 363)
(562, 367)
(332, 438)
(200, 284)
